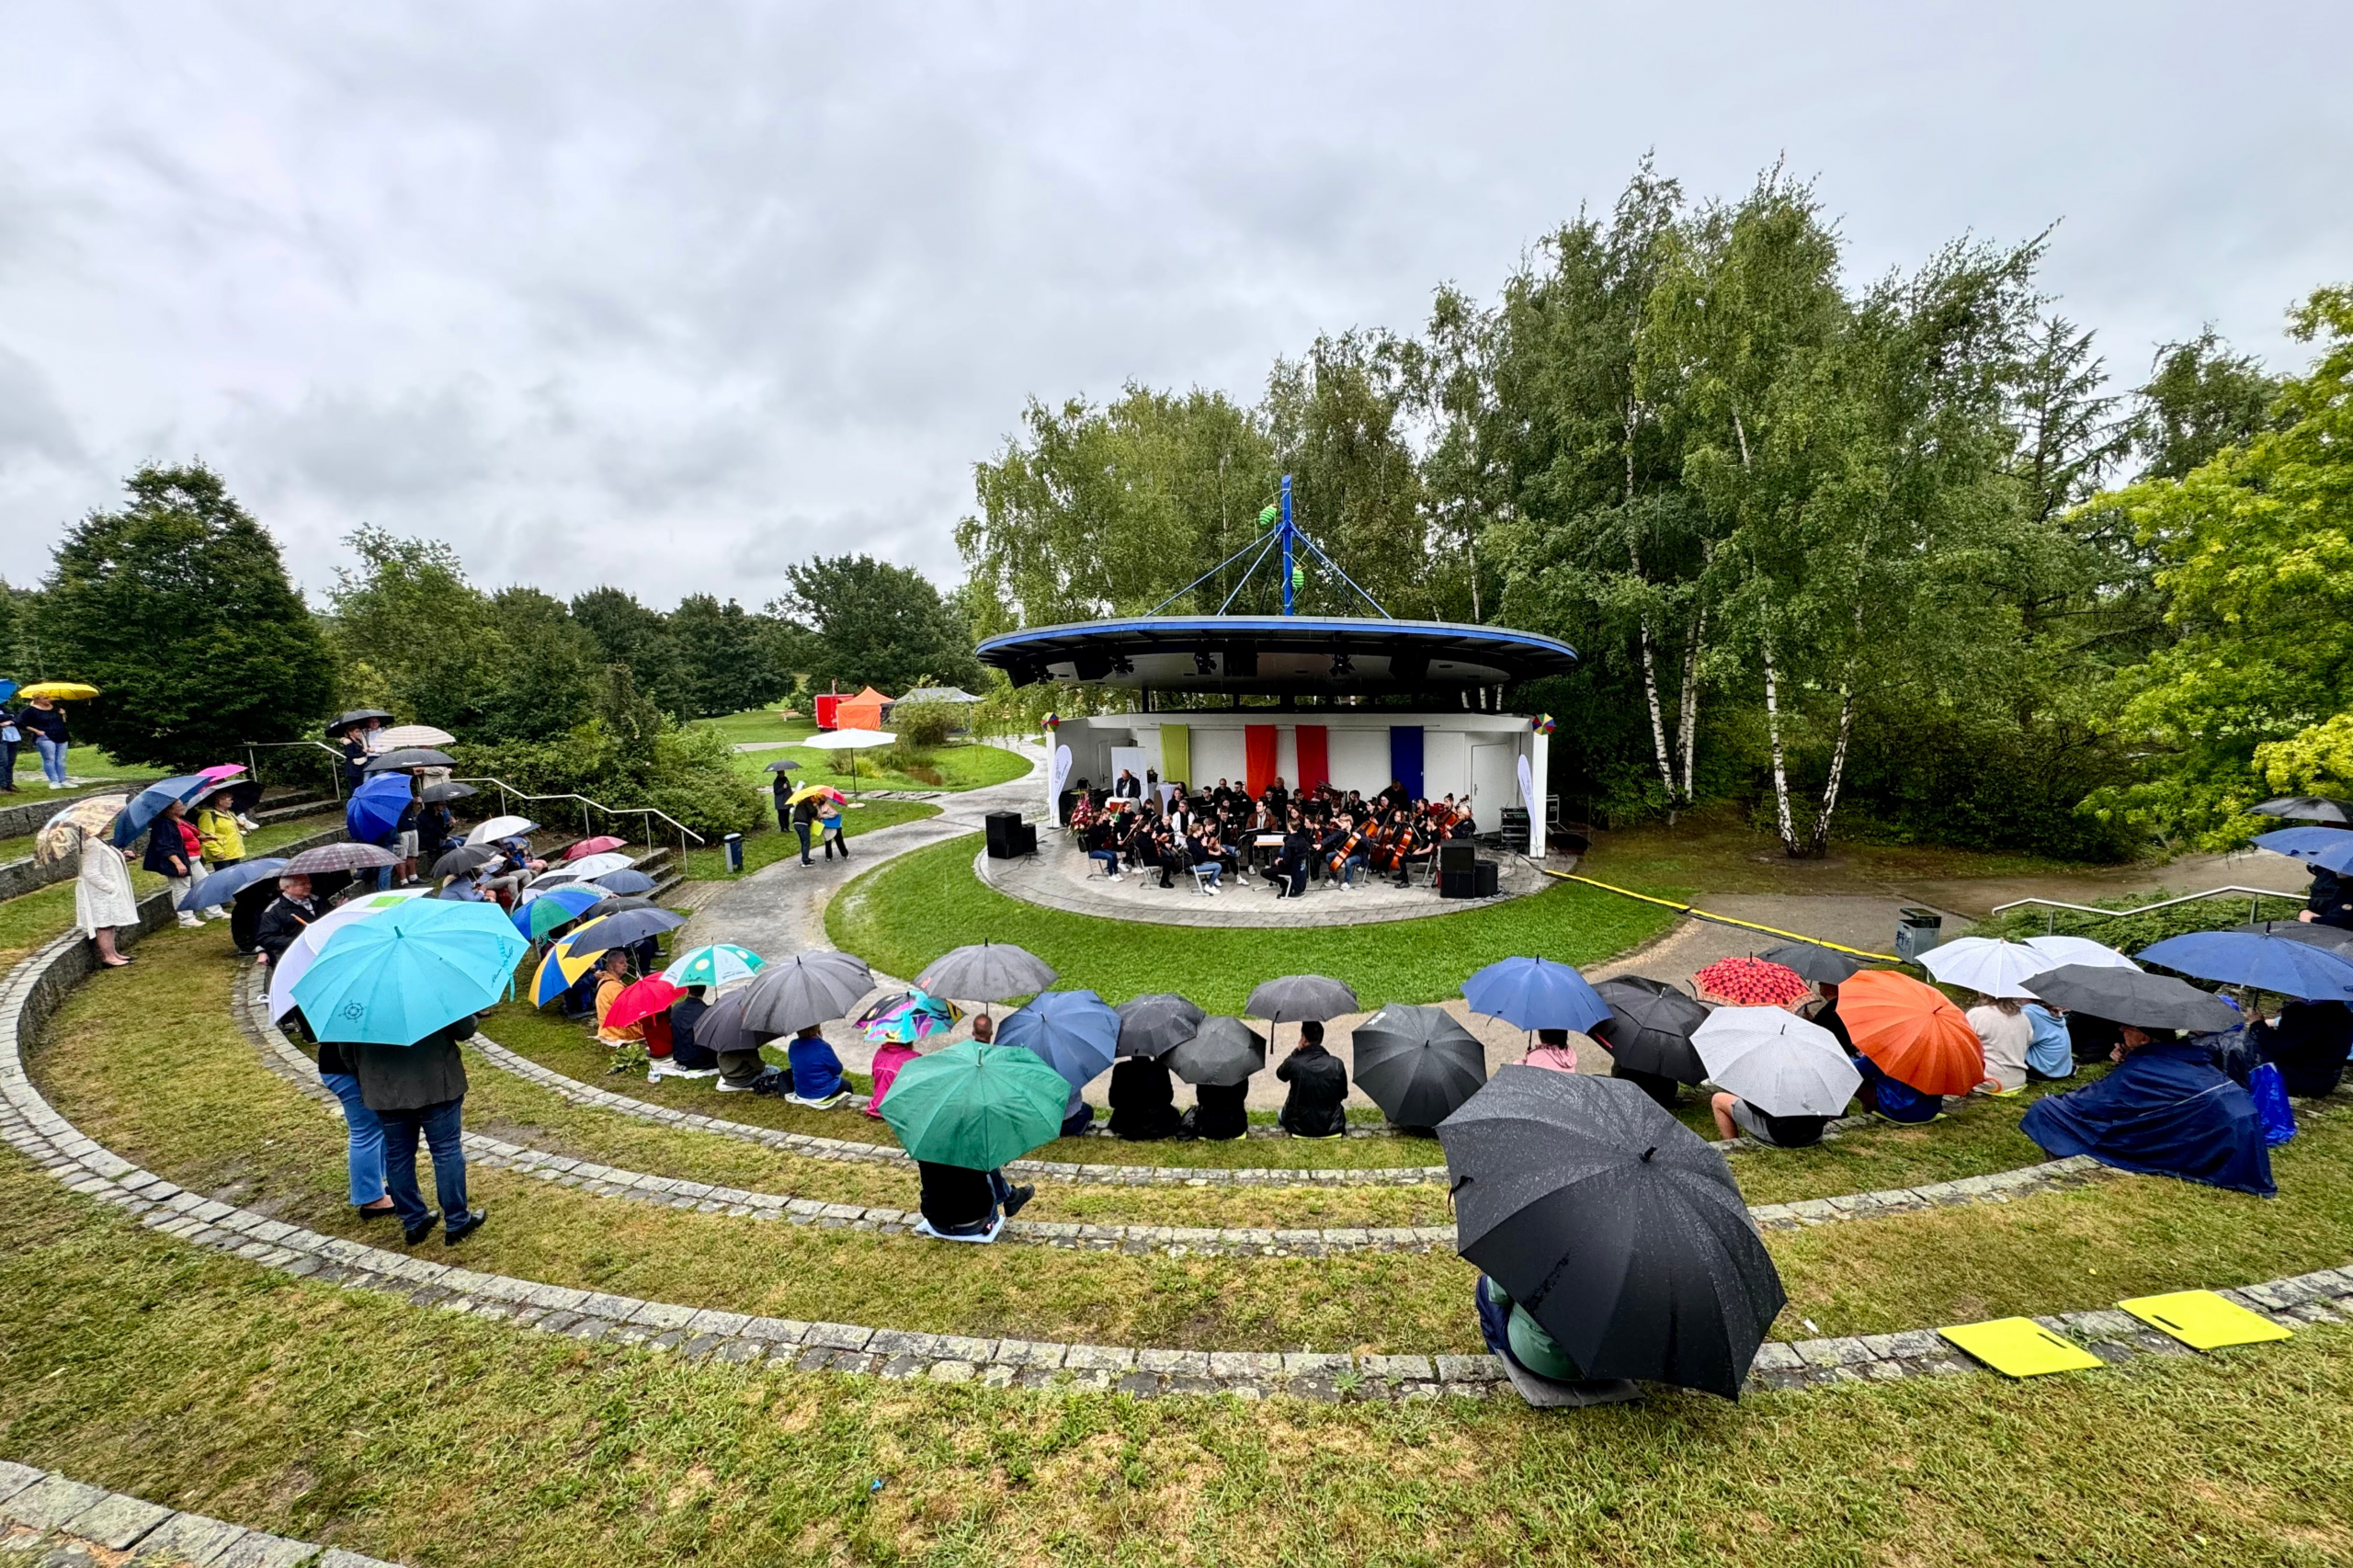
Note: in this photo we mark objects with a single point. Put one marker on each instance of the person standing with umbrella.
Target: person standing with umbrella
(103, 898)
(804, 819)
(44, 721)
(169, 856)
(1316, 1105)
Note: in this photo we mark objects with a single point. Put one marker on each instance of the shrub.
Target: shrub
(923, 725)
(689, 774)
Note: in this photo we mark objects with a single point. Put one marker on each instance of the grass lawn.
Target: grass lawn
(962, 764)
(203, 1111)
(901, 915)
(764, 845)
(405, 1433)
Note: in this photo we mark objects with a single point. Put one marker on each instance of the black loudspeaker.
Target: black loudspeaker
(1484, 879)
(1457, 854)
(1458, 884)
(1025, 838)
(1004, 829)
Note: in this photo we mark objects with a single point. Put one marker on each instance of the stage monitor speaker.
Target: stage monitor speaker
(1457, 854)
(1004, 829)
(1485, 879)
(1458, 884)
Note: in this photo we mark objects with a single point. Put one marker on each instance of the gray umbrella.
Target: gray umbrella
(1224, 1051)
(1822, 965)
(2304, 808)
(1650, 1027)
(1417, 1063)
(465, 858)
(409, 756)
(1620, 1231)
(2131, 997)
(722, 1027)
(434, 794)
(987, 972)
(789, 994)
(782, 764)
(1299, 999)
(2309, 932)
(1157, 1024)
(341, 857)
(624, 928)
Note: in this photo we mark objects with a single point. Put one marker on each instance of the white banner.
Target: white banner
(1058, 775)
(1527, 799)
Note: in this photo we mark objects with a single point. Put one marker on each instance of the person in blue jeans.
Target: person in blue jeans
(44, 721)
(419, 1091)
(363, 1155)
(1891, 1099)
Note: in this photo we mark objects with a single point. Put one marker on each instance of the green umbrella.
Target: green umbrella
(976, 1105)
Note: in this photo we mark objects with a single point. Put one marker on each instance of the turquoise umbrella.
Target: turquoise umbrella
(976, 1105)
(396, 977)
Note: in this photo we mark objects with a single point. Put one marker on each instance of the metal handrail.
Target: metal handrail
(334, 773)
(507, 790)
(2252, 895)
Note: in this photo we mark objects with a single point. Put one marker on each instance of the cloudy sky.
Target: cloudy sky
(671, 296)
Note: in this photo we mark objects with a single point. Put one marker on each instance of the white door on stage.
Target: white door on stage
(1494, 784)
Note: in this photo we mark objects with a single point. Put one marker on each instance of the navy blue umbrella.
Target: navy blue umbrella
(1074, 1032)
(2328, 848)
(151, 803)
(2268, 963)
(223, 886)
(626, 881)
(1535, 993)
(376, 806)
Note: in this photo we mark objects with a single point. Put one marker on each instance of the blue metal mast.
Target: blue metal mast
(1287, 539)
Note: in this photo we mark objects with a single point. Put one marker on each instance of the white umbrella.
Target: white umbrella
(2061, 950)
(589, 868)
(403, 735)
(305, 946)
(500, 828)
(1778, 1062)
(1986, 965)
(847, 740)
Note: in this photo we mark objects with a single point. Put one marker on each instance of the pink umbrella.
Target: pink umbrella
(221, 770)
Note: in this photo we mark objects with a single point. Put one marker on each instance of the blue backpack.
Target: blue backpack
(2270, 1096)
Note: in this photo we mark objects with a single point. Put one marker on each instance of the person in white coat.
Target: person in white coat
(103, 899)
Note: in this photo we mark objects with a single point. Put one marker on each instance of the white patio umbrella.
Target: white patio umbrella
(850, 741)
(1987, 965)
(298, 953)
(1783, 1065)
(500, 828)
(2079, 949)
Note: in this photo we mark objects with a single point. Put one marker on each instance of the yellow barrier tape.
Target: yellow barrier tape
(1697, 913)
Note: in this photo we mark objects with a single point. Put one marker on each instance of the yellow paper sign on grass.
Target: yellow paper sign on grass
(2020, 1347)
(2202, 1320)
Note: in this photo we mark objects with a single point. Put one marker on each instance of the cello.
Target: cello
(1338, 859)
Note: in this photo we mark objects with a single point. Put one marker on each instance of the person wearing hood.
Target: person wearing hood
(1317, 1104)
(2165, 1110)
(1143, 1100)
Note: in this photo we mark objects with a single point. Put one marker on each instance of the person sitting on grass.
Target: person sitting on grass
(1537, 1368)
(1220, 1113)
(1317, 1104)
(959, 1204)
(688, 1058)
(2165, 1110)
(2005, 1034)
(612, 979)
(1143, 1100)
(2050, 1053)
(817, 1080)
(1735, 1116)
(1891, 1099)
(2308, 1042)
(1553, 1051)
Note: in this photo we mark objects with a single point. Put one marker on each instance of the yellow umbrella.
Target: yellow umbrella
(559, 970)
(62, 835)
(60, 690)
(807, 790)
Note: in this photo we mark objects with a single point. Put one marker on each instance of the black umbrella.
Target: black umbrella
(465, 858)
(2133, 997)
(788, 994)
(782, 764)
(408, 757)
(1650, 1027)
(1417, 1063)
(1224, 1051)
(341, 722)
(2304, 808)
(987, 972)
(1157, 1024)
(1619, 1230)
(625, 929)
(2309, 932)
(1823, 966)
(1299, 999)
(722, 1027)
(616, 903)
(434, 794)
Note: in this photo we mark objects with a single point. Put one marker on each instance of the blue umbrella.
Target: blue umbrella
(571, 899)
(1535, 993)
(394, 978)
(2328, 848)
(625, 883)
(376, 806)
(223, 886)
(7, 689)
(1073, 1033)
(150, 803)
(2268, 963)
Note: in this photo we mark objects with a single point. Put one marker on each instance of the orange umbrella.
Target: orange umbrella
(1917, 1038)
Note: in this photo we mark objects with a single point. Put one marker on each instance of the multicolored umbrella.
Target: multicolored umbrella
(558, 971)
(1751, 982)
(976, 1105)
(815, 792)
(296, 959)
(1913, 1031)
(395, 979)
(62, 835)
(557, 906)
(717, 965)
(909, 1016)
(597, 846)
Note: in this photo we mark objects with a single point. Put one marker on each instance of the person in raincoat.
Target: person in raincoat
(2165, 1110)
(103, 899)
(219, 831)
(1315, 1107)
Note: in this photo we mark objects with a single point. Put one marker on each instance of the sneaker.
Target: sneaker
(828, 1102)
(727, 1088)
(775, 1081)
(1016, 1198)
(414, 1234)
(459, 1229)
(215, 912)
(191, 923)
(1209, 888)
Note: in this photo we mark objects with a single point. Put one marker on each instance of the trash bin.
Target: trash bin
(1917, 930)
(734, 843)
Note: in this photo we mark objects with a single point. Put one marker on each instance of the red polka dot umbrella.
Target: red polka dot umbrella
(1751, 982)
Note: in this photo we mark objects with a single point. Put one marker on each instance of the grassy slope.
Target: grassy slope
(203, 1111)
(408, 1433)
(901, 916)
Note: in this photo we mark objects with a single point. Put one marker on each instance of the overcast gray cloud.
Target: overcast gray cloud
(673, 296)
